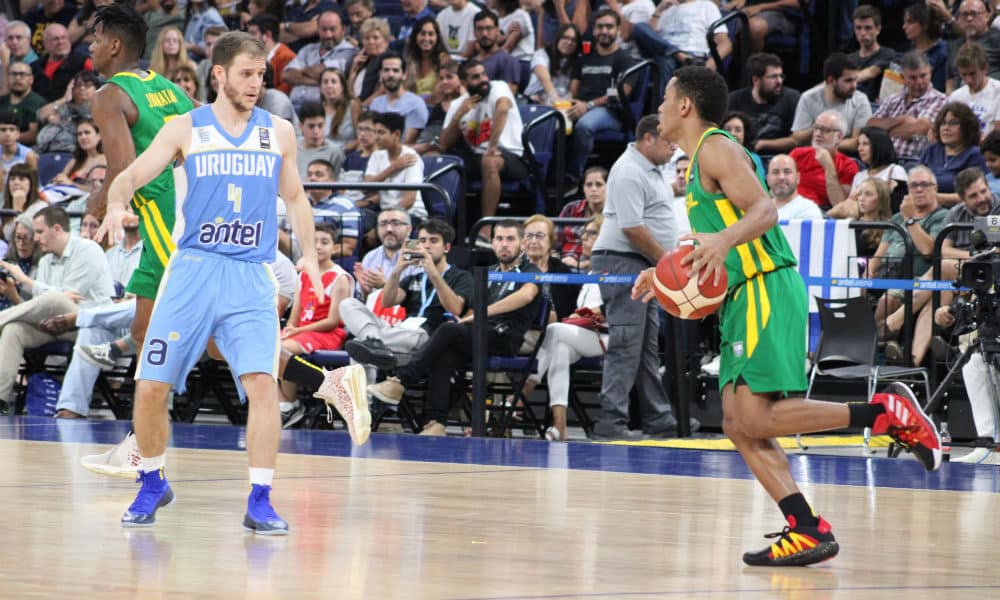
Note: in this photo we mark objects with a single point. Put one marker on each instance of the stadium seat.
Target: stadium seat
(448, 172)
(525, 78)
(51, 164)
(640, 76)
(848, 345)
(516, 370)
(733, 67)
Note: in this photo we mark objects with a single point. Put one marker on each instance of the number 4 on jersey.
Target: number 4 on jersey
(235, 195)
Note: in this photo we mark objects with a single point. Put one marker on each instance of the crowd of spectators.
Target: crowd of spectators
(898, 132)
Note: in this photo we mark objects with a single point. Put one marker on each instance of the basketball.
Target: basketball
(679, 293)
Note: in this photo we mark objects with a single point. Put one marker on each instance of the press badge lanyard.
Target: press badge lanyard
(426, 300)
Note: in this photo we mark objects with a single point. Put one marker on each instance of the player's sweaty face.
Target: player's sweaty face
(244, 81)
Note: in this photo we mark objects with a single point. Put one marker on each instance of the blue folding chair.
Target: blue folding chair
(732, 67)
(448, 172)
(634, 105)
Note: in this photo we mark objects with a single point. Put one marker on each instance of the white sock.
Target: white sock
(153, 463)
(261, 476)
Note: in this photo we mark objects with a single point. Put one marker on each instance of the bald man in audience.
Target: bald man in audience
(783, 180)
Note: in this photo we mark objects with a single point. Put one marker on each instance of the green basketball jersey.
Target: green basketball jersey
(710, 213)
(157, 100)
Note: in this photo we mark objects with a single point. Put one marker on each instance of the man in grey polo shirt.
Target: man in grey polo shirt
(638, 229)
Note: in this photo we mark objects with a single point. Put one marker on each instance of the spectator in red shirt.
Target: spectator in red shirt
(595, 181)
(825, 173)
(57, 68)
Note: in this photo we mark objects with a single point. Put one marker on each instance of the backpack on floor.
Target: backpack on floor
(41, 395)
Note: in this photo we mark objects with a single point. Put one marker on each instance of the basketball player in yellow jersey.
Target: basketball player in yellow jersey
(734, 224)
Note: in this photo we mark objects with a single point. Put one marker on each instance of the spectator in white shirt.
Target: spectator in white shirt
(981, 93)
(455, 23)
(517, 34)
(783, 179)
(395, 163)
(484, 127)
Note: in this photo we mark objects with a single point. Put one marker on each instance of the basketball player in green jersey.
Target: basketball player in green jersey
(763, 319)
(129, 110)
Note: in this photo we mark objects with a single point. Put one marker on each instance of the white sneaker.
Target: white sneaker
(977, 456)
(344, 389)
(552, 435)
(120, 461)
(98, 355)
(286, 408)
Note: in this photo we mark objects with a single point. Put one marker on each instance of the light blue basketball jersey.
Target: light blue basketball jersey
(229, 189)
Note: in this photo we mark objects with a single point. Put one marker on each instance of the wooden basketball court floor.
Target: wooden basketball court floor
(408, 517)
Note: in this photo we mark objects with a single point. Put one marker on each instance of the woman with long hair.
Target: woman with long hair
(21, 195)
(186, 78)
(876, 151)
(340, 107)
(169, 53)
(740, 126)
(448, 89)
(425, 53)
(88, 155)
(595, 187)
(956, 130)
(873, 204)
(552, 67)
(922, 29)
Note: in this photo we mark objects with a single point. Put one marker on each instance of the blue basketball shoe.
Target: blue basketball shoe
(261, 518)
(154, 494)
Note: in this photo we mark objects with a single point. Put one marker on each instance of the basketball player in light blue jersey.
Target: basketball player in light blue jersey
(236, 160)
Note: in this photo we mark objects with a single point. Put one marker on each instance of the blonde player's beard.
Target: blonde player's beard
(236, 99)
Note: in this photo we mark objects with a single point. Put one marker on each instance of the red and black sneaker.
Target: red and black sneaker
(908, 424)
(798, 546)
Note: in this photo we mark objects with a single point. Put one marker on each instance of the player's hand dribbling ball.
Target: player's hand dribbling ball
(678, 289)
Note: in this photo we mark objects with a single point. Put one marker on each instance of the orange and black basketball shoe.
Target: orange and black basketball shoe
(908, 424)
(797, 546)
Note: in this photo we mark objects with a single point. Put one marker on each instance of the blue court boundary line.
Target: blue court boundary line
(628, 279)
(901, 473)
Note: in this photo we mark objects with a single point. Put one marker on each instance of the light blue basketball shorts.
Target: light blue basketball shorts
(204, 295)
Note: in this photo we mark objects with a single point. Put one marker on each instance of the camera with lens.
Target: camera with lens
(980, 275)
(4, 274)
